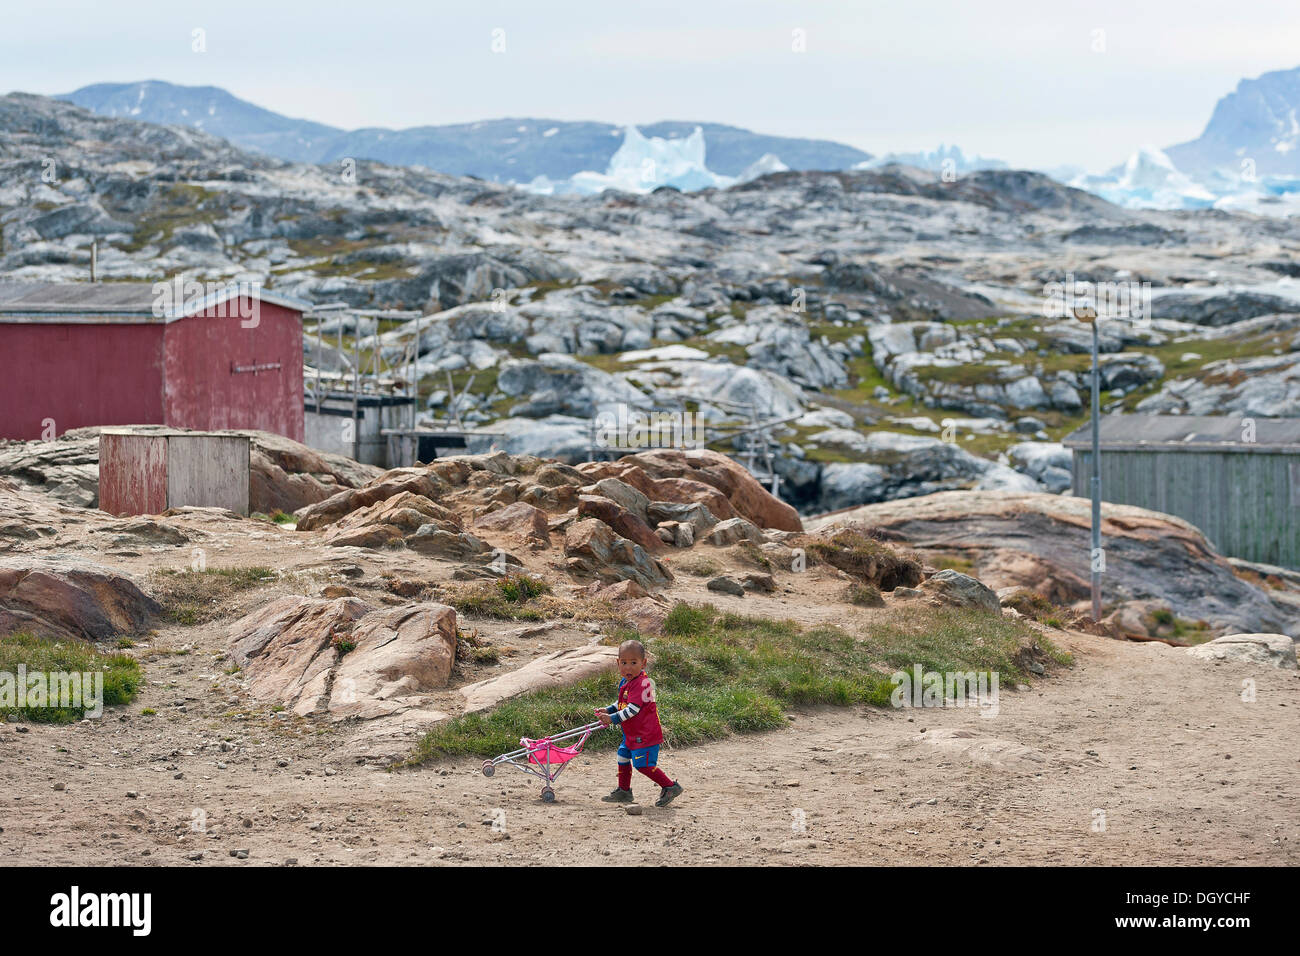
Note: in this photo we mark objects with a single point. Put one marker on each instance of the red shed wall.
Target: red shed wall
(132, 474)
(201, 390)
(104, 374)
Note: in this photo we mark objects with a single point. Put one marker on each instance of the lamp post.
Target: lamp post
(1088, 314)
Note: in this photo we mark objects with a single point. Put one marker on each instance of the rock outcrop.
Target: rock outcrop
(746, 496)
(72, 600)
(408, 520)
(341, 657)
(961, 590)
(1041, 542)
(1267, 650)
(1264, 387)
(623, 522)
(519, 518)
(1218, 310)
(593, 549)
(389, 485)
(400, 655)
(557, 669)
(622, 513)
(903, 466)
(65, 468)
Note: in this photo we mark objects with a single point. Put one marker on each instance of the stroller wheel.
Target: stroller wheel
(488, 768)
(548, 795)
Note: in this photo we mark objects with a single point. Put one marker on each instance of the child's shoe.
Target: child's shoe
(668, 794)
(620, 795)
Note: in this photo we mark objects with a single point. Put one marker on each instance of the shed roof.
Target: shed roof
(164, 431)
(120, 301)
(1189, 433)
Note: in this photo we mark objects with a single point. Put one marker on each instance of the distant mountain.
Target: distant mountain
(212, 110)
(1259, 121)
(502, 150)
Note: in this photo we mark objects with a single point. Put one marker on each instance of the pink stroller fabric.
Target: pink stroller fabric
(544, 752)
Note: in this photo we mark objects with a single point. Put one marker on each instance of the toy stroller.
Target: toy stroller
(543, 758)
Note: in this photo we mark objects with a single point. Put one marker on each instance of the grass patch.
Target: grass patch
(855, 551)
(486, 655)
(864, 378)
(723, 674)
(279, 517)
(122, 675)
(520, 588)
(864, 595)
(1054, 653)
(699, 567)
(195, 597)
(686, 620)
(1034, 606)
(752, 554)
(512, 598)
(520, 597)
(175, 207)
(953, 562)
(1164, 623)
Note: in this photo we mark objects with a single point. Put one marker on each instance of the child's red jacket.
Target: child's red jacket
(636, 713)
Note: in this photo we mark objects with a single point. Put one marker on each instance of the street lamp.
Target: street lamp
(1086, 313)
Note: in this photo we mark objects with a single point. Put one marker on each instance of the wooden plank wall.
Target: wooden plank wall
(209, 471)
(132, 474)
(1244, 503)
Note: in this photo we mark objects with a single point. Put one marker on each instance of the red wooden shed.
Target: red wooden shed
(137, 353)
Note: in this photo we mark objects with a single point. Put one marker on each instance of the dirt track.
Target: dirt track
(1184, 771)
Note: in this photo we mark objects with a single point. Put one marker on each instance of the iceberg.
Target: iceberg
(1150, 180)
(944, 159)
(767, 163)
(642, 164)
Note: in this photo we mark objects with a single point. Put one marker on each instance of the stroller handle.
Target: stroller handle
(584, 729)
(563, 735)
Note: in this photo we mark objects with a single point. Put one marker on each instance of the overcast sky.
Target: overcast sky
(1038, 83)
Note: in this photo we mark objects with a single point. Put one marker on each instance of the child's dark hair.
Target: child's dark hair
(636, 647)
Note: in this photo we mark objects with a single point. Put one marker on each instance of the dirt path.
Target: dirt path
(1183, 770)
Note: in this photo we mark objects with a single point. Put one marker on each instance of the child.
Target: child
(638, 718)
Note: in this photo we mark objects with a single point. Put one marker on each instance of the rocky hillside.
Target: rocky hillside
(895, 320)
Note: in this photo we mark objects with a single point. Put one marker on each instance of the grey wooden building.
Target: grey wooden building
(1236, 479)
